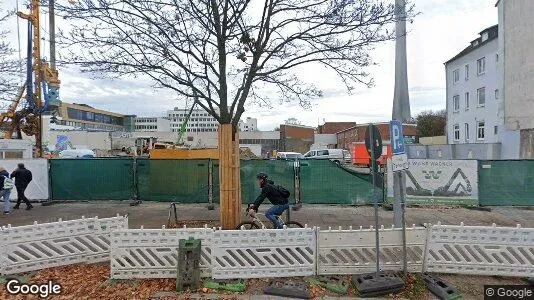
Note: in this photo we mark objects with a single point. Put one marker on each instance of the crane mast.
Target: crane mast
(45, 79)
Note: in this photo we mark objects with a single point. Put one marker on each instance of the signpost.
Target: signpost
(399, 163)
(373, 142)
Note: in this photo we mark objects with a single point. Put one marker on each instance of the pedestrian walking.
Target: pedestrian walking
(6, 184)
(23, 177)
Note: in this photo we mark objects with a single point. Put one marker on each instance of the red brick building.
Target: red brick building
(334, 127)
(356, 134)
(296, 138)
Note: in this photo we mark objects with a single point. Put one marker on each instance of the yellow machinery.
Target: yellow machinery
(28, 119)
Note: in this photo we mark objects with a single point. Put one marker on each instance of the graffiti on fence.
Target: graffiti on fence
(441, 182)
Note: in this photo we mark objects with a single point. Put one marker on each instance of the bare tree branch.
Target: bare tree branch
(224, 53)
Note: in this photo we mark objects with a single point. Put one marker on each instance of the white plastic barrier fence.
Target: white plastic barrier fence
(480, 250)
(38, 188)
(354, 251)
(40, 246)
(263, 253)
(153, 253)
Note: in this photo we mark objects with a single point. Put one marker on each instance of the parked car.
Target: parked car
(288, 155)
(335, 155)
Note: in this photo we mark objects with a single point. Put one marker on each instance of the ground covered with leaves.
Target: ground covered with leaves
(91, 281)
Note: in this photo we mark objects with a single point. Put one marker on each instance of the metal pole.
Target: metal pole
(373, 166)
(401, 99)
(402, 180)
(52, 21)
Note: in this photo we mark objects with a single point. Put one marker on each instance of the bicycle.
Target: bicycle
(256, 223)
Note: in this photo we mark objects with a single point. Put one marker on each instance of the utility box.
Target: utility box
(188, 267)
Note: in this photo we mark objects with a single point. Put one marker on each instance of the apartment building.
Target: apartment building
(474, 104)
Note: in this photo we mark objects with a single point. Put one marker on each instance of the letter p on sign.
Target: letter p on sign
(397, 138)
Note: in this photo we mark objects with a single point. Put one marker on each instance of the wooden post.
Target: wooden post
(230, 183)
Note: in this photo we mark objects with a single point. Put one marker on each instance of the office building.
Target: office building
(152, 124)
(199, 121)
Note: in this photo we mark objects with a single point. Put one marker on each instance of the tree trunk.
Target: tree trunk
(230, 183)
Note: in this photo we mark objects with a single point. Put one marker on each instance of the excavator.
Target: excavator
(41, 87)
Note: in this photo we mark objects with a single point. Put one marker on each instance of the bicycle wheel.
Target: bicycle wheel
(248, 225)
(293, 224)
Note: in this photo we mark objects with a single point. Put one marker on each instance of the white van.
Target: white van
(335, 155)
(288, 155)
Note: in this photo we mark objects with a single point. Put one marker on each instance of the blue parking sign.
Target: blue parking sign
(397, 138)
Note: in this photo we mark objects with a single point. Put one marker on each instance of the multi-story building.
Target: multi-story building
(152, 124)
(85, 117)
(474, 104)
(516, 67)
(250, 124)
(199, 121)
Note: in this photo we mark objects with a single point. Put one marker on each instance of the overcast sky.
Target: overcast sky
(441, 30)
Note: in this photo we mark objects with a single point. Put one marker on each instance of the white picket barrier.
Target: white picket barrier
(354, 251)
(263, 253)
(153, 253)
(40, 246)
(480, 250)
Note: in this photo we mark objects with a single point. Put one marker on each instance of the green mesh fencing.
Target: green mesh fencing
(281, 172)
(91, 179)
(506, 182)
(323, 182)
(173, 180)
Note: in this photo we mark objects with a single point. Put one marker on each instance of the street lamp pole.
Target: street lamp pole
(401, 100)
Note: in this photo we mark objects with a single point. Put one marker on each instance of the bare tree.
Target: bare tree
(9, 66)
(225, 53)
(292, 121)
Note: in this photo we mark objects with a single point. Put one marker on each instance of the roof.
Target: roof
(367, 124)
(493, 33)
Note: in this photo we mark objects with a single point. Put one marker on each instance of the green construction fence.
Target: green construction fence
(91, 179)
(325, 182)
(188, 181)
(184, 181)
(506, 182)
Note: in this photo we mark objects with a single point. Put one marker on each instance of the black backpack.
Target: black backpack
(283, 191)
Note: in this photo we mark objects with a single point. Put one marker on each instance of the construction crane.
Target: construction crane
(42, 83)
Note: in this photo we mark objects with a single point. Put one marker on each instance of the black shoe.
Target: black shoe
(16, 207)
(6, 213)
(29, 207)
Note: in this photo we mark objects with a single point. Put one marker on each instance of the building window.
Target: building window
(495, 130)
(466, 72)
(481, 96)
(456, 75)
(480, 130)
(456, 102)
(496, 94)
(467, 101)
(466, 131)
(456, 130)
(481, 66)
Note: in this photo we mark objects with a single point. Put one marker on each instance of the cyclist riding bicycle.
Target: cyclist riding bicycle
(277, 195)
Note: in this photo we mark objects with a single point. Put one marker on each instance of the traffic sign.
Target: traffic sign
(397, 138)
(376, 144)
(399, 162)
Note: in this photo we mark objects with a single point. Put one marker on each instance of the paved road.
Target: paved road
(155, 214)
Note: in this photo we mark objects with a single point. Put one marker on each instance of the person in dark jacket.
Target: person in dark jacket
(5, 191)
(271, 192)
(23, 177)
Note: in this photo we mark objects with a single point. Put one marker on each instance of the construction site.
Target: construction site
(151, 215)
